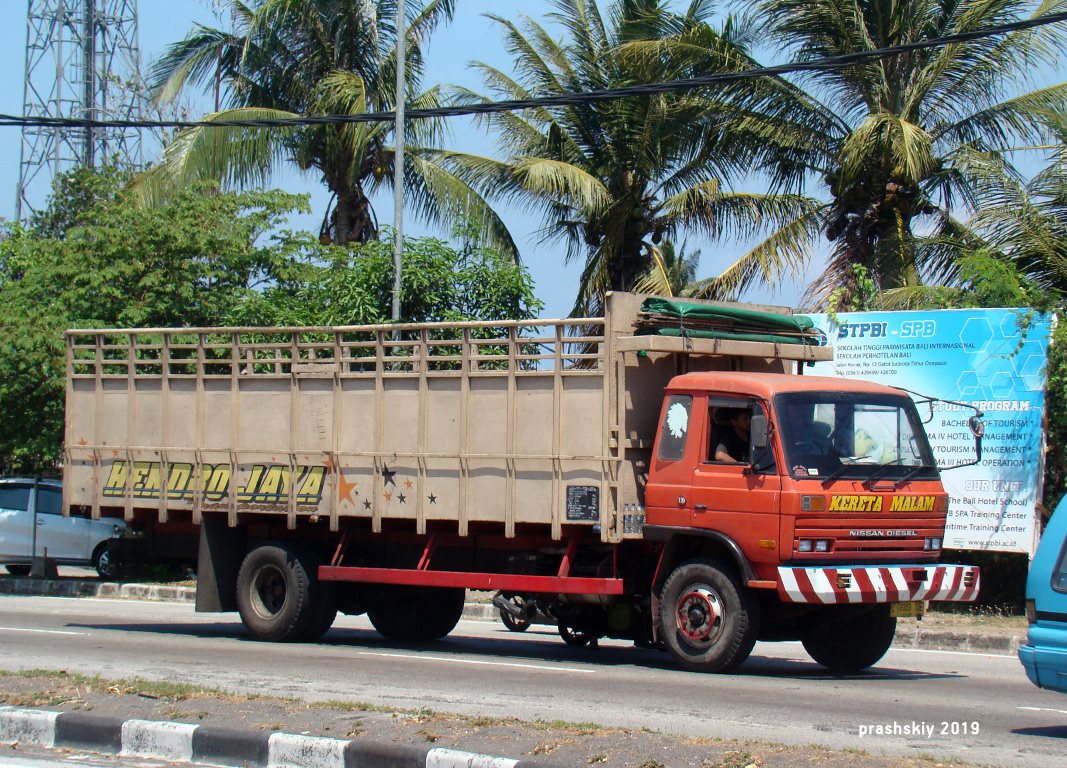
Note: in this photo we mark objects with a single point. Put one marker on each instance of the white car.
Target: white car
(74, 540)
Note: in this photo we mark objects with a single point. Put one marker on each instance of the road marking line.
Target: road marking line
(1045, 709)
(483, 663)
(44, 631)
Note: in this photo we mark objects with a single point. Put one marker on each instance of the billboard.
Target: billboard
(993, 359)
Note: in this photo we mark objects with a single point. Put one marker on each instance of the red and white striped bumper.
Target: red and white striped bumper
(878, 585)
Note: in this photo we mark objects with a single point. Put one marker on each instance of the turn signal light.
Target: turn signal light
(942, 504)
(1031, 612)
(813, 503)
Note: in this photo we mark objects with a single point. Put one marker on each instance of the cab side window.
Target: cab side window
(731, 435)
(674, 432)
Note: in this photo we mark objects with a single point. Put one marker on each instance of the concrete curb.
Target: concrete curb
(908, 636)
(185, 742)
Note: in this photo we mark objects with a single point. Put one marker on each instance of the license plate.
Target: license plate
(908, 608)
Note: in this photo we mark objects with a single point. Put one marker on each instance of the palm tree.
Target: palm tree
(672, 273)
(895, 154)
(292, 58)
(613, 179)
(1013, 251)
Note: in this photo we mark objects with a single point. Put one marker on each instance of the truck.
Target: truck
(582, 463)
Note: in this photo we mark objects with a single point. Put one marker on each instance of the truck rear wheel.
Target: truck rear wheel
(708, 621)
(274, 593)
(416, 614)
(851, 642)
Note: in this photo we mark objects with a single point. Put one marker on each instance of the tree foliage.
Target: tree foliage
(893, 140)
(294, 58)
(96, 259)
(613, 179)
(440, 283)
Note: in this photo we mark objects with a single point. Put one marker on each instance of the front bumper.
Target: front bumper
(888, 584)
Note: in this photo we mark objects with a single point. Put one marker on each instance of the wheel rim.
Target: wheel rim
(700, 615)
(269, 592)
(103, 564)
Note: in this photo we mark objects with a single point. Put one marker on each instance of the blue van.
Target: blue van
(1045, 654)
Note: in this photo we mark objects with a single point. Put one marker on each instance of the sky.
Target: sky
(469, 36)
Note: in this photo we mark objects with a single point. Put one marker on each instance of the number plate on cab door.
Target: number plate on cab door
(908, 608)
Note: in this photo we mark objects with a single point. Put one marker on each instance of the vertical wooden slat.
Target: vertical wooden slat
(294, 427)
(98, 419)
(235, 428)
(423, 429)
(379, 438)
(559, 502)
(131, 420)
(68, 428)
(165, 426)
(340, 352)
(511, 474)
(201, 408)
(465, 433)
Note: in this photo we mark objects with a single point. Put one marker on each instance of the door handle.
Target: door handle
(700, 507)
(40, 522)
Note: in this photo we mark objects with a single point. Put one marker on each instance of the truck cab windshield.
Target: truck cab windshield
(853, 435)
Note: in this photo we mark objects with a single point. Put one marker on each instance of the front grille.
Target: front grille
(869, 536)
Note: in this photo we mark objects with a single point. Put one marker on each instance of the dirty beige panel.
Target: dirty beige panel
(441, 489)
(533, 491)
(183, 413)
(352, 487)
(148, 413)
(263, 407)
(489, 415)
(535, 415)
(314, 428)
(488, 494)
(113, 423)
(400, 416)
(356, 429)
(215, 418)
(444, 414)
(583, 416)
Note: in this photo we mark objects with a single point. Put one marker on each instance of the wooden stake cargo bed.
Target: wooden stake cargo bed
(545, 423)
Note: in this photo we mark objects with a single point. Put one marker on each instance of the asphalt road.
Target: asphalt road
(977, 707)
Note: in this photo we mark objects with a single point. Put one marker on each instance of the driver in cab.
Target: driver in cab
(733, 442)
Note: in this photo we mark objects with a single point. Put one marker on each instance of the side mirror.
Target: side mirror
(758, 431)
(976, 425)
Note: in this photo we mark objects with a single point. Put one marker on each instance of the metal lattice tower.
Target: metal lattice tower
(81, 56)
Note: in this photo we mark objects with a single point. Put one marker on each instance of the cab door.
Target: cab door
(740, 499)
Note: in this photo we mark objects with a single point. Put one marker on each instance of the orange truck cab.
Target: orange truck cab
(796, 507)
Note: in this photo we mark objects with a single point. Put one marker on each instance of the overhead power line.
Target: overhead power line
(583, 97)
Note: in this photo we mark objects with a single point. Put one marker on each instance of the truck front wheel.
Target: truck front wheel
(416, 614)
(853, 641)
(274, 594)
(708, 621)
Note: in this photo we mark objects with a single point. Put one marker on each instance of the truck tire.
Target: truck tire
(851, 642)
(708, 621)
(416, 614)
(325, 612)
(274, 593)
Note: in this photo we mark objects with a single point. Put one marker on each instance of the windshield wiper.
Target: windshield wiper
(880, 472)
(916, 470)
(845, 465)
